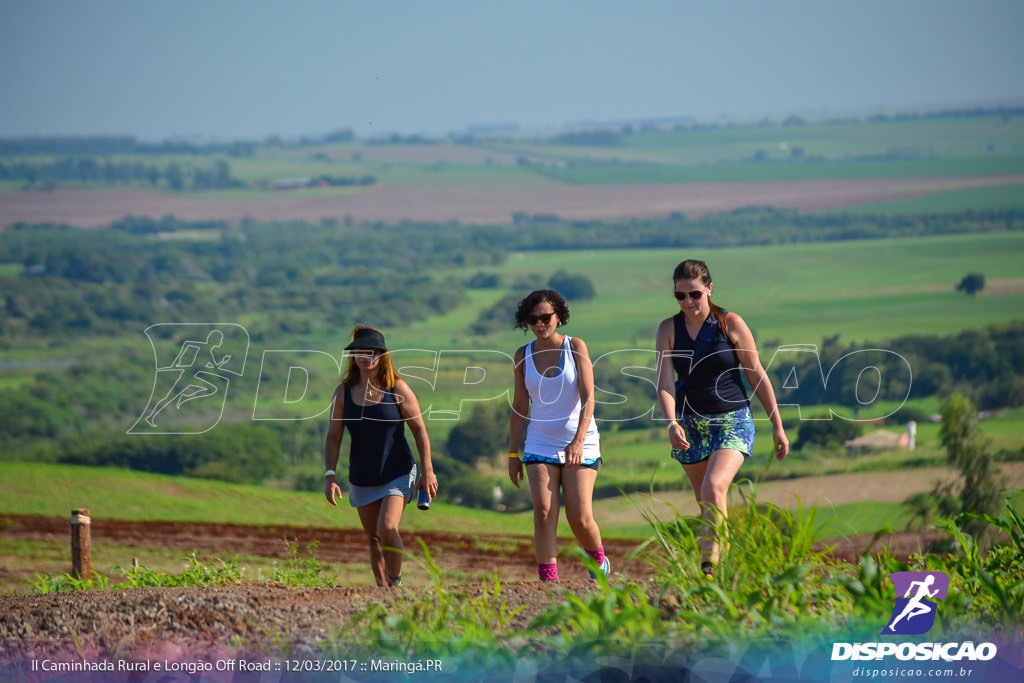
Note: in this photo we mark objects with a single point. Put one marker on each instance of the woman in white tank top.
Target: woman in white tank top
(554, 388)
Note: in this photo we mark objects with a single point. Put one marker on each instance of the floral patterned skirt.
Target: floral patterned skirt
(710, 433)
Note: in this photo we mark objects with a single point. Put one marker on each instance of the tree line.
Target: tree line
(106, 171)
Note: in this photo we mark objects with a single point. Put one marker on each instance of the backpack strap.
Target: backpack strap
(708, 332)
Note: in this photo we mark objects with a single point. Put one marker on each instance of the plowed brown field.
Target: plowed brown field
(484, 205)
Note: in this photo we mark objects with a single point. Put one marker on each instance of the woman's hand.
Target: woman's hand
(781, 442)
(333, 491)
(574, 454)
(677, 437)
(428, 482)
(515, 470)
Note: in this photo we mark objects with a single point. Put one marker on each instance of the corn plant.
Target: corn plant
(45, 583)
(602, 621)
(441, 622)
(306, 572)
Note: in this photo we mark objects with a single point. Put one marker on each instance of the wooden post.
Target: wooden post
(81, 544)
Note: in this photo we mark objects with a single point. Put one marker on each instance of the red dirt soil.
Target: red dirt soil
(258, 620)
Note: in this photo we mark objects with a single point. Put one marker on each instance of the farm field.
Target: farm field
(481, 205)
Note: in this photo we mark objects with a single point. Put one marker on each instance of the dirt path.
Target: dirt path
(260, 620)
(483, 205)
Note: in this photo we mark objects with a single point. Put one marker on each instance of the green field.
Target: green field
(722, 151)
(983, 198)
(867, 290)
(863, 291)
(788, 171)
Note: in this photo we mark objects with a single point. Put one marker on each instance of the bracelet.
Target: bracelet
(513, 454)
(329, 473)
(672, 423)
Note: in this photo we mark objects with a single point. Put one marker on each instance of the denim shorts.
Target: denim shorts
(710, 433)
(358, 496)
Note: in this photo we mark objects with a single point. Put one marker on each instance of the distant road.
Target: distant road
(478, 205)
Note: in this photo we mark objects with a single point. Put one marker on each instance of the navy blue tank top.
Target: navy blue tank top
(708, 371)
(379, 451)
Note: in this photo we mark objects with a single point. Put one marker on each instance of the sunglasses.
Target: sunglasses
(534, 319)
(695, 295)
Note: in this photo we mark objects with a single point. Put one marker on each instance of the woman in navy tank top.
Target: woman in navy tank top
(703, 354)
(554, 387)
(374, 404)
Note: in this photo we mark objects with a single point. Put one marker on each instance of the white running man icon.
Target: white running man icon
(200, 387)
(915, 607)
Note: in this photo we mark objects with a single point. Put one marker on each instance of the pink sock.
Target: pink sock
(548, 572)
(598, 555)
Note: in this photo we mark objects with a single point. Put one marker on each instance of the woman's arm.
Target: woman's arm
(585, 382)
(516, 423)
(746, 351)
(666, 384)
(332, 446)
(409, 407)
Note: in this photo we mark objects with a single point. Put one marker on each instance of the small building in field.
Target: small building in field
(880, 440)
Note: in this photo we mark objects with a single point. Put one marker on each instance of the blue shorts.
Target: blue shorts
(532, 459)
(710, 433)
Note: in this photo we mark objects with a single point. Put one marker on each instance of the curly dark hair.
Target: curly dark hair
(536, 297)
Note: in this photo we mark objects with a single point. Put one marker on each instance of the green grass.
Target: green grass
(868, 290)
(46, 489)
(862, 518)
(977, 199)
(108, 560)
(939, 137)
(790, 171)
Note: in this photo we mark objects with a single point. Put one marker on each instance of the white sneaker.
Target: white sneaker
(606, 567)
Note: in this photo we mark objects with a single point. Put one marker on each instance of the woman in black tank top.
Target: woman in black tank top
(374, 404)
(703, 354)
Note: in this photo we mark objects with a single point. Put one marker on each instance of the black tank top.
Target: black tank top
(708, 371)
(379, 452)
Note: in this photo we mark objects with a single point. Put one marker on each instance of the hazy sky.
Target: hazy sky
(246, 69)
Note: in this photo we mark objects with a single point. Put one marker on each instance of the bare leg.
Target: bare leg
(545, 482)
(578, 485)
(387, 528)
(711, 479)
(368, 516)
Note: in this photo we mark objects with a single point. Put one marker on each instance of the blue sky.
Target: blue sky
(232, 69)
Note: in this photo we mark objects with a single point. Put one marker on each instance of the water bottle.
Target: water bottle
(424, 501)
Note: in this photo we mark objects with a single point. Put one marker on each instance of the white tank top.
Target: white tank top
(555, 408)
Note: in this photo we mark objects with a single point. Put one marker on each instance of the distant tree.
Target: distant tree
(827, 433)
(482, 435)
(594, 138)
(971, 284)
(970, 452)
(340, 135)
(175, 177)
(484, 281)
(573, 286)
